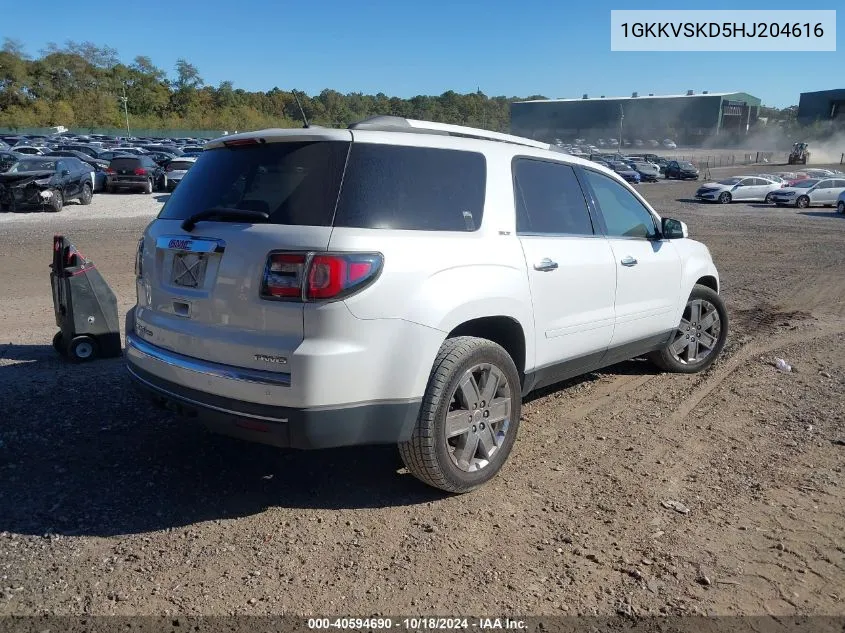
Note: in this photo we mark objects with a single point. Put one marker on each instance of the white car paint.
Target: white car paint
(813, 193)
(379, 345)
(738, 188)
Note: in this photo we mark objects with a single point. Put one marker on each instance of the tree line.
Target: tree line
(81, 85)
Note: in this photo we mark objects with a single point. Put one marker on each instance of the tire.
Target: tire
(768, 199)
(82, 349)
(59, 343)
(802, 202)
(162, 183)
(437, 460)
(56, 202)
(840, 207)
(148, 187)
(725, 198)
(711, 305)
(87, 194)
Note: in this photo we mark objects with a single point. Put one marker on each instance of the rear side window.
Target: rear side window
(294, 183)
(412, 188)
(549, 199)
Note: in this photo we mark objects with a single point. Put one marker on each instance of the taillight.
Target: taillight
(109, 170)
(140, 171)
(318, 276)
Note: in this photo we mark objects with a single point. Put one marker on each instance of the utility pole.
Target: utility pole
(621, 118)
(125, 109)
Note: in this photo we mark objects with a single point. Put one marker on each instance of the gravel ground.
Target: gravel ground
(628, 491)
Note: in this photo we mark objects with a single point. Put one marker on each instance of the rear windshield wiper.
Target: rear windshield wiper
(225, 214)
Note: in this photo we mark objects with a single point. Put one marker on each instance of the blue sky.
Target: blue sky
(557, 48)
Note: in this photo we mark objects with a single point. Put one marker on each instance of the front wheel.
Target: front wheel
(840, 207)
(56, 202)
(469, 416)
(803, 202)
(700, 337)
(724, 197)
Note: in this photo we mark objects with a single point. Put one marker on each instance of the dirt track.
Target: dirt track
(108, 506)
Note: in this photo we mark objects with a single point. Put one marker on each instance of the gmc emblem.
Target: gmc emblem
(184, 245)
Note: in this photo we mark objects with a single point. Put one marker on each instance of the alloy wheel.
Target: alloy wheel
(698, 334)
(479, 417)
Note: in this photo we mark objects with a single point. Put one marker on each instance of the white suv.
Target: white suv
(405, 282)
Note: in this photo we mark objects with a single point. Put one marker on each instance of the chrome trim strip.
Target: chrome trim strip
(207, 368)
(204, 405)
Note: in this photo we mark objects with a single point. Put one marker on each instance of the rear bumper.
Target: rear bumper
(357, 423)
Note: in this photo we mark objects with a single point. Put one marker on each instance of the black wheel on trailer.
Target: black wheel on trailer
(59, 343)
(82, 349)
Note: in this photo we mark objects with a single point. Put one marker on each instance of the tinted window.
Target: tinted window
(180, 164)
(124, 163)
(412, 188)
(840, 184)
(549, 199)
(624, 215)
(295, 183)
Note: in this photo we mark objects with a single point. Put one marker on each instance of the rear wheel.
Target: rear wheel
(700, 337)
(87, 194)
(59, 343)
(148, 187)
(469, 416)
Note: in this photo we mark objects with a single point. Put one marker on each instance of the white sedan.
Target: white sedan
(745, 188)
(819, 192)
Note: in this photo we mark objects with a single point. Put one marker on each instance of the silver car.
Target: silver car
(176, 170)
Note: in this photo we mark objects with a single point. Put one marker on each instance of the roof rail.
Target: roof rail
(387, 123)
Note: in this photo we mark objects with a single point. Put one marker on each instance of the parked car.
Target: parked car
(680, 170)
(774, 178)
(638, 142)
(45, 183)
(192, 150)
(134, 172)
(97, 166)
(811, 192)
(241, 325)
(625, 171)
(745, 188)
(669, 143)
(29, 150)
(647, 171)
(7, 159)
(176, 170)
(653, 142)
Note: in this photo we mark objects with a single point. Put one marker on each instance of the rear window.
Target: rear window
(124, 163)
(181, 164)
(294, 183)
(384, 186)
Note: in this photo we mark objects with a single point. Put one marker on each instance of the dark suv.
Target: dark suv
(682, 170)
(134, 172)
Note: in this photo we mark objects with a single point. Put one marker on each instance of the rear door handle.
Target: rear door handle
(629, 261)
(545, 264)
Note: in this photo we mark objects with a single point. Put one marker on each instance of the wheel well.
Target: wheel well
(710, 282)
(500, 329)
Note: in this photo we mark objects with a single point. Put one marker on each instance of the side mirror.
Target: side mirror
(674, 229)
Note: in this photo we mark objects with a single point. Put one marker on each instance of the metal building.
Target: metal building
(686, 119)
(824, 105)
